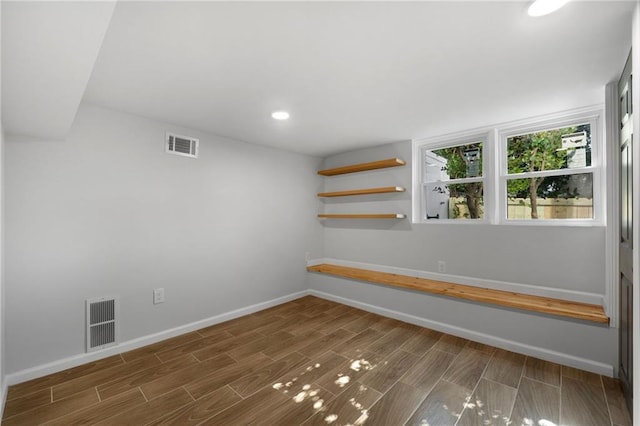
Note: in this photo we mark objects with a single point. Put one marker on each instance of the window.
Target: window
(549, 172)
(453, 181)
(538, 171)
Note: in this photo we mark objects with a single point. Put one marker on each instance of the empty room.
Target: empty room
(332, 213)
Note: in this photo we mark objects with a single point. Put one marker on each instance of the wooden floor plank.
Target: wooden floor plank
(163, 345)
(125, 383)
(389, 371)
(26, 388)
(358, 344)
(259, 345)
(103, 410)
(420, 343)
(467, 368)
(583, 404)
(200, 410)
(219, 377)
(45, 413)
(490, 404)
(262, 377)
(451, 344)
(351, 407)
(26, 403)
(107, 375)
(184, 376)
(396, 406)
(195, 345)
(224, 345)
(442, 406)
(152, 410)
(338, 379)
(505, 367)
(536, 403)
(543, 371)
(292, 345)
(390, 341)
(616, 402)
(326, 343)
(428, 370)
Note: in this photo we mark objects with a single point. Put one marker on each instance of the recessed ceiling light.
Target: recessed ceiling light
(280, 115)
(545, 7)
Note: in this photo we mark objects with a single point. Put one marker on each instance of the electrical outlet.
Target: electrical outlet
(158, 296)
(442, 266)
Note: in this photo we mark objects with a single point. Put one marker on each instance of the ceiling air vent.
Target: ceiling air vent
(181, 145)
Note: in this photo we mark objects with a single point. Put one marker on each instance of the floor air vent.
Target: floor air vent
(102, 326)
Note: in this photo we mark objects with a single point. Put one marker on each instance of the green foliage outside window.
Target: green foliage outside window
(457, 166)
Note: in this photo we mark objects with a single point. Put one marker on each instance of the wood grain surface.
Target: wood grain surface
(313, 361)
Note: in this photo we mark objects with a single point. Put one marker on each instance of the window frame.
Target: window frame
(494, 167)
(588, 116)
(420, 213)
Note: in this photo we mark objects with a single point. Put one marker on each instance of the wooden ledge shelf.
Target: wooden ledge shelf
(367, 191)
(363, 216)
(546, 305)
(381, 164)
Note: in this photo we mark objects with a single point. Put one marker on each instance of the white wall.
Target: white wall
(108, 212)
(570, 259)
(3, 384)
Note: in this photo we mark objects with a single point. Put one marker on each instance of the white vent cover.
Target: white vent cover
(181, 145)
(102, 325)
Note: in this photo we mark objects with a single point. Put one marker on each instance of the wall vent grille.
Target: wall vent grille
(102, 324)
(181, 145)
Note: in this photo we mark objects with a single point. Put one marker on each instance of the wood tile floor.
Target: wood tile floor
(313, 361)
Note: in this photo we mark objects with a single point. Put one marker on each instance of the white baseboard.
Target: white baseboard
(542, 353)
(75, 360)
(555, 293)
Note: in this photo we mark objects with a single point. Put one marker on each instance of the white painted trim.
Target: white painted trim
(635, 99)
(542, 353)
(593, 115)
(556, 293)
(75, 360)
(611, 165)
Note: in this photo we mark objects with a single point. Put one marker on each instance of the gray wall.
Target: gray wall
(107, 212)
(2, 274)
(570, 258)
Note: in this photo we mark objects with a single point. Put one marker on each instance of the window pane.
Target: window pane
(454, 201)
(556, 149)
(456, 162)
(551, 197)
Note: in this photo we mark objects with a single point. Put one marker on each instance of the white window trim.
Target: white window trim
(593, 116)
(419, 207)
(494, 167)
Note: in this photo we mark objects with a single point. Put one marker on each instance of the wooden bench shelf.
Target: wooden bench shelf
(363, 216)
(546, 305)
(367, 191)
(382, 164)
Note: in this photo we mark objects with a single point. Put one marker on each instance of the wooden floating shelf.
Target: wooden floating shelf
(363, 216)
(367, 191)
(546, 305)
(382, 164)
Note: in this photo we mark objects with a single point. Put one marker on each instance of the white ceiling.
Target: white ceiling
(351, 74)
(48, 52)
